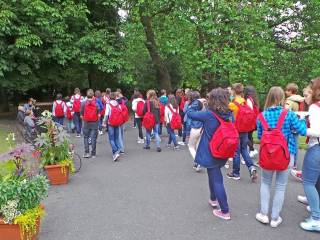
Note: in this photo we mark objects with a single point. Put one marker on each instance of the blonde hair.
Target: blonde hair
(275, 97)
(152, 96)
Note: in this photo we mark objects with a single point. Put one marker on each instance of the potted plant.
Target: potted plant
(21, 192)
(53, 146)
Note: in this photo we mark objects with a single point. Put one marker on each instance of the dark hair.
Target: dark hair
(108, 91)
(119, 90)
(219, 100)
(67, 99)
(59, 96)
(315, 86)
(136, 95)
(195, 95)
(237, 88)
(172, 100)
(97, 93)
(293, 88)
(250, 92)
(189, 96)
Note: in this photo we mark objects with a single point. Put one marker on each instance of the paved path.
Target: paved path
(157, 196)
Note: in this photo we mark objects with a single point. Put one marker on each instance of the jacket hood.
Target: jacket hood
(296, 98)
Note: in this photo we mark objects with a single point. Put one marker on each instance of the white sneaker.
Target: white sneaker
(100, 132)
(198, 168)
(253, 153)
(276, 223)
(309, 209)
(302, 199)
(227, 165)
(243, 162)
(311, 225)
(116, 156)
(262, 218)
(181, 143)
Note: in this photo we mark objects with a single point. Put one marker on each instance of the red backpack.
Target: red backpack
(149, 120)
(182, 102)
(76, 104)
(162, 108)
(58, 110)
(274, 152)
(116, 116)
(225, 141)
(246, 119)
(90, 111)
(69, 114)
(176, 122)
(124, 112)
(139, 110)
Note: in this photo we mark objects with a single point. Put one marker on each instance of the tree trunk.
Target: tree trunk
(92, 76)
(163, 75)
(4, 104)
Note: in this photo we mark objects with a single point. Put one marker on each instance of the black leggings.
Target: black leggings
(139, 124)
(250, 141)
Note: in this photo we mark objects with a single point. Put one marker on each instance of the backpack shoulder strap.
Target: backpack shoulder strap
(263, 121)
(217, 117)
(282, 118)
(148, 106)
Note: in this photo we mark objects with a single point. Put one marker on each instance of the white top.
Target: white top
(250, 103)
(314, 131)
(77, 96)
(168, 114)
(108, 109)
(134, 106)
(55, 104)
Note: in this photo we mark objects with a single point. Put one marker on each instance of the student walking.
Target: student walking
(151, 119)
(172, 120)
(277, 150)
(311, 163)
(218, 107)
(122, 102)
(237, 106)
(69, 115)
(90, 114)
(76, 100)
(99, 100)
(137, 107)
(113, 119)
(59, 109)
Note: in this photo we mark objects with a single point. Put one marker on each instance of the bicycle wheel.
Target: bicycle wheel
(77, 162)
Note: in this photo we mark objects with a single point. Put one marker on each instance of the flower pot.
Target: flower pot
(57, 174)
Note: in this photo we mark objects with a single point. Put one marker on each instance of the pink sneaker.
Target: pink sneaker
(218, 213)
(213, 204)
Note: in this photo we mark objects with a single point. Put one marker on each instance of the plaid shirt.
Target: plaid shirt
(291, 125)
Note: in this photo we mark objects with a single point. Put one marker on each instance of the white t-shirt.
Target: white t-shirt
(134, 106)
(314, 131)
(168, 114)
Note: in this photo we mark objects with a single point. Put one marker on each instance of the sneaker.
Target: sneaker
(276, 223)
(86, 155)
(182, 143)
(140, 140)
(230, 159)
(93, 156)
(213, 204)
(168, 146)
(198, 168)
(116, 156)
(253, 175)
(303, 199)
(262, 218)
(309, 209)
(311, 225)
(100, 132)
(253, 153)
(78, 135)
(232, 176)
(218, 213)
(158, 149)
(243, 162)
(177, 148)
(227, 165)
(296, 175)
(146, 147)
(122, 152)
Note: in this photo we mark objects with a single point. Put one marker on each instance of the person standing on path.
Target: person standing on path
(171, 108)
(273, 113)
(76, 101)
(59, 109)
(90, 114)
(217, 104)
(122, 100)
(137, 107)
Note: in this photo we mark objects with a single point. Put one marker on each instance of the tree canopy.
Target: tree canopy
(157, 43)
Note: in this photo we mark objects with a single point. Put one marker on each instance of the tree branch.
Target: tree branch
(165, 10)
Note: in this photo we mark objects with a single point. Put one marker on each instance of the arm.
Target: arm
(259, 129)
(53, 109)
(298, 124)
(199, 116)
(82, 109)
(314, 113)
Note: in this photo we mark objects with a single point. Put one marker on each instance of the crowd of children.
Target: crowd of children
(218, 129)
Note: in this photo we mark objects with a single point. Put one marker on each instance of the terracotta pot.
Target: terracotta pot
(13, 232)
(57, 175)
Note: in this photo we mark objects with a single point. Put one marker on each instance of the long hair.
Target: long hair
(219, 100)
(315, 87)
(172, 100)
(152, 97)
(275, 97)
(250, 92)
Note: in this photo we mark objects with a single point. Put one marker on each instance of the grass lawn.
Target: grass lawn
(3, 143)
(302, 141)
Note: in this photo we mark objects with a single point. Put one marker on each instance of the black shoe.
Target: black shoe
(158, 149)
(146, 147)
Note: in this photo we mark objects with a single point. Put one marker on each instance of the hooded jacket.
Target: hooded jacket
(293, 102)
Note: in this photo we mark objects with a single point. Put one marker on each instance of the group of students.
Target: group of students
(218, 128)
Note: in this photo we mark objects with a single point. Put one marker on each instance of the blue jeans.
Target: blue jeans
(100, 123)
(92, 134)
(121, 138)
(59, 120)
(156, 134)
(113, 133)
(296, 136)
(280, 189)
(243, 150)
(217, 190)
(77, 122)
(172, 136)
(311, 179)
(70, 126)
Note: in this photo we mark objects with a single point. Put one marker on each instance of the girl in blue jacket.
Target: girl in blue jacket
(218, 103)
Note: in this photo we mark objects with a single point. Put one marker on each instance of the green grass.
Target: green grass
(3, 143)
(302, 141)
